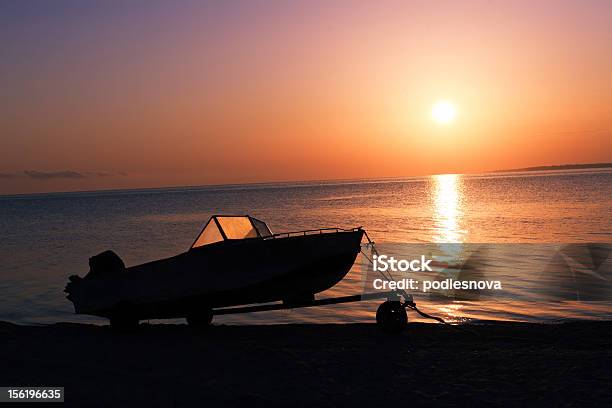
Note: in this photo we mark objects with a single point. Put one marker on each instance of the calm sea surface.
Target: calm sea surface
(45, 238)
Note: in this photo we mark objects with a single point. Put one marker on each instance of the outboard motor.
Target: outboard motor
(106, 263)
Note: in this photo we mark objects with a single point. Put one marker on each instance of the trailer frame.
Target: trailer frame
(389, 295)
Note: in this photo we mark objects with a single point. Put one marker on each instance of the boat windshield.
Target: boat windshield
(237, 227)
(209, 235)
(224, 227)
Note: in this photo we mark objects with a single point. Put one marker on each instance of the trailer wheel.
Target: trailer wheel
(391, 317)
(201, 318)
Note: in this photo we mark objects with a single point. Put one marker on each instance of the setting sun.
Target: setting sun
(443, 112)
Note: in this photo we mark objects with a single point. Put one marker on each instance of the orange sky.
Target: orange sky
(159, 94)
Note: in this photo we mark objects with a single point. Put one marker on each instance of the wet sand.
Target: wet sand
(314, 365)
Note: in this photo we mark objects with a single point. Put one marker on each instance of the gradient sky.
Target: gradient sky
(116, 94)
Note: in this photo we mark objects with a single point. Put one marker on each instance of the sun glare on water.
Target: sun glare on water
(443, 112)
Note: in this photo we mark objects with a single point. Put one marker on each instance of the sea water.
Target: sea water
(44, 238)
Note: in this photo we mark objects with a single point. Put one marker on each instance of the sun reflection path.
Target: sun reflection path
(448, 211)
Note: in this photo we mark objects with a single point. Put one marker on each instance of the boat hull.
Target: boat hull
(229, 273)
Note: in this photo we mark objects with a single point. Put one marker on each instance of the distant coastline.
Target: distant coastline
(559, 167)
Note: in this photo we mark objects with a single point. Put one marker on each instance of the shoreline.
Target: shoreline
(308, 364)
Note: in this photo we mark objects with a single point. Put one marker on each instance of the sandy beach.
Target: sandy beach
(314, 365)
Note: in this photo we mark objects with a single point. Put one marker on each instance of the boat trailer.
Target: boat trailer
(391, 315)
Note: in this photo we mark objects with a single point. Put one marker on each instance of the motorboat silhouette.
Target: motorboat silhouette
(235, 260)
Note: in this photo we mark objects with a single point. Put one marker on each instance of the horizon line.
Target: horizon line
(558, 167)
